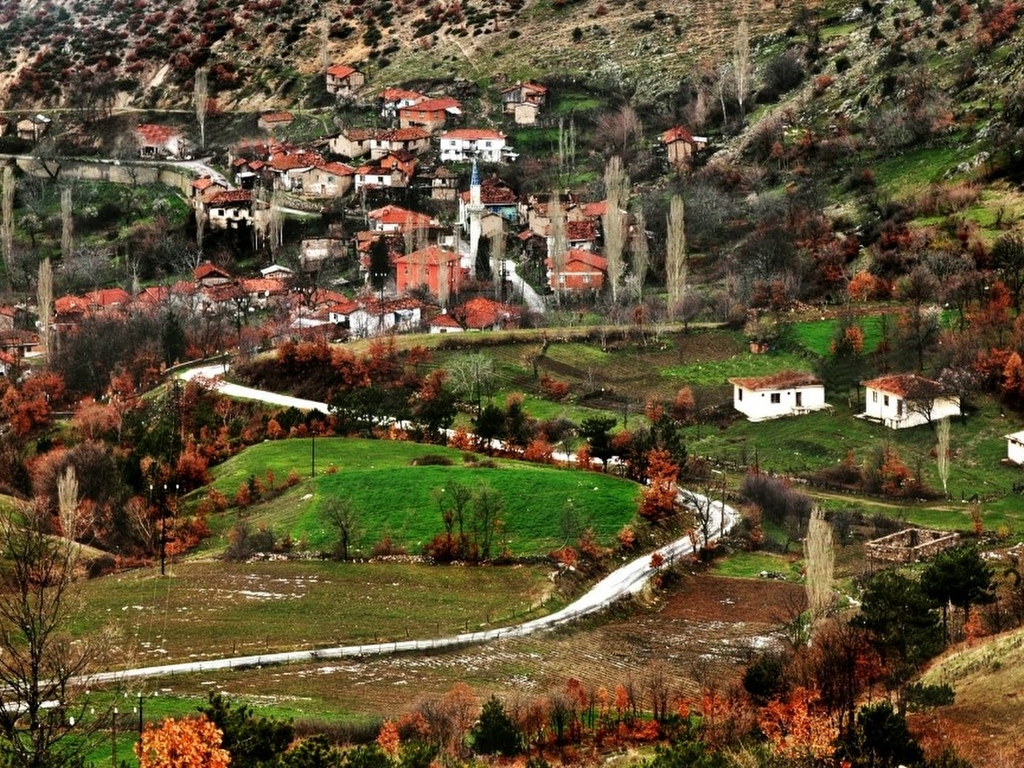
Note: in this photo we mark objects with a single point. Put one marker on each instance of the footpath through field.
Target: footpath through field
(627, 580)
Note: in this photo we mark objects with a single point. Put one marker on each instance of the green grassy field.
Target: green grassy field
(394, 498)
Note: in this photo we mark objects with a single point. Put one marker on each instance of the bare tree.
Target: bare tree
(67, 223)
(201, 219)
(7, 221)
(42, 670)
(498, 262)
(819, 563)
(616, 185)
(741, 63)
(640, 251)
(342, 516)
(44, 304)
(942, 452)
(676, 259)
(558, 243)
(201, 96)
(617, 128)
(67, 502)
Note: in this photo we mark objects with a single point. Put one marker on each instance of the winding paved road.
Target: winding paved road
(627, 580)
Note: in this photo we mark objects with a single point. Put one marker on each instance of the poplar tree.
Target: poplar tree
(616, 184)
(676, 258)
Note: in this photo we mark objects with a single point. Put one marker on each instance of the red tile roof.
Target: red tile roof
(230, 197)
(905, 385)
(472, 134)
(780, 380)
(109, 297)
(435, 105)
(400, 94)
(153, 134)
(431, 255)
(393, 215)
(277, 117)
(678, 133)
(340, 70)
(445, 321)
(580, 230)
(208, 269)
(205, 182)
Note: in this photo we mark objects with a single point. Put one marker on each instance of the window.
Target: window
(874, 396)
(799, 399)
(739, 393)
(899, 408)
(776, 398)
(885, 401)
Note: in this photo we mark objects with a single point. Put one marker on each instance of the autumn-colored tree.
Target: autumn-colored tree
(191, 742)
(796, 727)
(388, 739)
(660, 500)
(864, 286)
(684, 406)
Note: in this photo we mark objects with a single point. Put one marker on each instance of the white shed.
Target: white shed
(1015, 447)
(786, 393)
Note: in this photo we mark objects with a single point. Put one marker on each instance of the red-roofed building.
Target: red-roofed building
(484, 144)
(394, 99)
(907, 400)
(410, 140)
(229, 210)
(433, 267)
(445, 323)
(203, 188)
(343, 80)
(352, 142)
(108, 298)
(432, 114)
(681, 145)
(581, 271)
(786, 393)
(392, 218)
(275, 120)
(159, 140)
(523, 101)
(323, 179)
(209, 275)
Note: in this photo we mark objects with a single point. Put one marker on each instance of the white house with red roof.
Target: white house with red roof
(786, 393)
(907, 400)
(323, 179)
(445, 323)
(343, 80)
(484, 144)
(159, 140)
(203, 188)
(412, 140)
(393, 218)
(1015, 447)
(230, 210)
(352, 142)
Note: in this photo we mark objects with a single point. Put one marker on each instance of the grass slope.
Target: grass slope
(394, 498)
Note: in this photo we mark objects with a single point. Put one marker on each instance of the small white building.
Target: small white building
(786, 393)
(906, 400)
(484, 144)
(1015, 447)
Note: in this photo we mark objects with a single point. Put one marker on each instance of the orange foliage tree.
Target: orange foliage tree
(191, 742)
(660, 497)
(796, 728)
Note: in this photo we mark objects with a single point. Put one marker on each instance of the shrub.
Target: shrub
(432, 460)
(777, 500)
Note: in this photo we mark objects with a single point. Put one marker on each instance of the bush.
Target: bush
(777, 500)
(432, 460)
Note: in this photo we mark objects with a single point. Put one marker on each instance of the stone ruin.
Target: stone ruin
(911, 545)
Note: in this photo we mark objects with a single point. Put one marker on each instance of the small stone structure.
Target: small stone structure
(911, 545)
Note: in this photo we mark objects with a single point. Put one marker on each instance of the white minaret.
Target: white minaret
(474, 211)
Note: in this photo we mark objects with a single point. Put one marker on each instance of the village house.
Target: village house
(392, 218)
(19, 344)
(352, 142)
(444, 184)
(315, 252)
(262, 292)
(343, 80)
(523, 101)
(496, 197)
(445, 323)
(399, 140)
(906, 400)
(381, 177)
(107, 299)
(204, 188)
(681, 145)
(394, 99)
(786, 393)
(277, 272)
(229, 210)
(484, 144)
(432, 115)
(437, 269)
(209, 275)
(33, 127)
(159, 141)
(272, 121)
(323, 179)
(581, 271)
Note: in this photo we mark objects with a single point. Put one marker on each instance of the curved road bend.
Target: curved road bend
(627, 580)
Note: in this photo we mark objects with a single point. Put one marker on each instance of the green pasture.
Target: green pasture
(391, 497)
(816, 336)
(717, 372)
